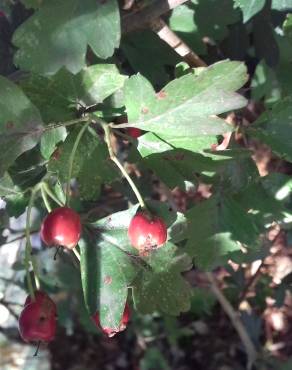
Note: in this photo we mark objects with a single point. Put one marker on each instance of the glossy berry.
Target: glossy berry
(110, 332)
(42, 298)
(147, 233)
(61, 227)
(134, 132)
(37, 321)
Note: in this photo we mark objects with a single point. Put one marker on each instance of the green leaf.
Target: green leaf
(204, 18)
(265, 84)
(16, 200)
(50, 139)
(20, 124)
(176, 166)
(184, 106)
(287, 27)
(32, 4)
(91, 165)
(281, 5)
(182, 22)
(142, 46)
(239, 174)
(58, 96)
(151, 143)
(274, 128)
(108, 267)
(162, 287)
(7, 186)
(279, 185)
(97, 82)
(63, 29)
(265, 44)
(261, 205)
(249, 7)
(217, 227)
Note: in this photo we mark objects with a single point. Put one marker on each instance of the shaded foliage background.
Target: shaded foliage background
(225, 198)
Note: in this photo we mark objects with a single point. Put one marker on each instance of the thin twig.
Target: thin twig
(176, 43)
(71, 160)
(106, 129)
(20, 237)
(28, 246)
(251, 282)
(139, 19)
(255, 276)
(235, 320)
(77, 254)
(7, 306)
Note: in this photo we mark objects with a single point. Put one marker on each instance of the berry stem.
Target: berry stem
(51, 194)
(45, 199)
(28, 247)
(113, 157)
(52, 126)
(37, 349)
(71, 160)
(36, 278)
(77, 254)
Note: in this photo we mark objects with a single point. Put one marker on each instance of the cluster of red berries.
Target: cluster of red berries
(38, 319)
(62, 227)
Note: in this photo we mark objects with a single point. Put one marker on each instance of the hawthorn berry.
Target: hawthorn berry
(110, 332)
(37, 321)
(43, 299)
(134, 132)
(147, 232)
(61, 227)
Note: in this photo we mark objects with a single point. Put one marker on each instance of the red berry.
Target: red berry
(134, 132)
(42, 299)
(37, 321)
(147, 233)
(61, 227)
(110, 332)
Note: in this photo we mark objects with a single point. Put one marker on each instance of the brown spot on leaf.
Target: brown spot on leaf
(144, 110)
(56, 155)
(161, 95)
(9, 125)
(176, 157)
(108, 280)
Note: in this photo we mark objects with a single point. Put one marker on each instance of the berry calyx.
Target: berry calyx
(134, 132)
(110, 332)
(61, 227)
(37, 321)
(147, 233)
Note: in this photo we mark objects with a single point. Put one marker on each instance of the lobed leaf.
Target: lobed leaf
(217, 226)
(20, 124)
(187, 105)
(63, 29)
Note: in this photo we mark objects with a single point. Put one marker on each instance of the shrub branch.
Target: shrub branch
(235, 320)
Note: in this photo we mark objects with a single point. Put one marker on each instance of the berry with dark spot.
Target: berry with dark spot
(37, 321)
(147, 232)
